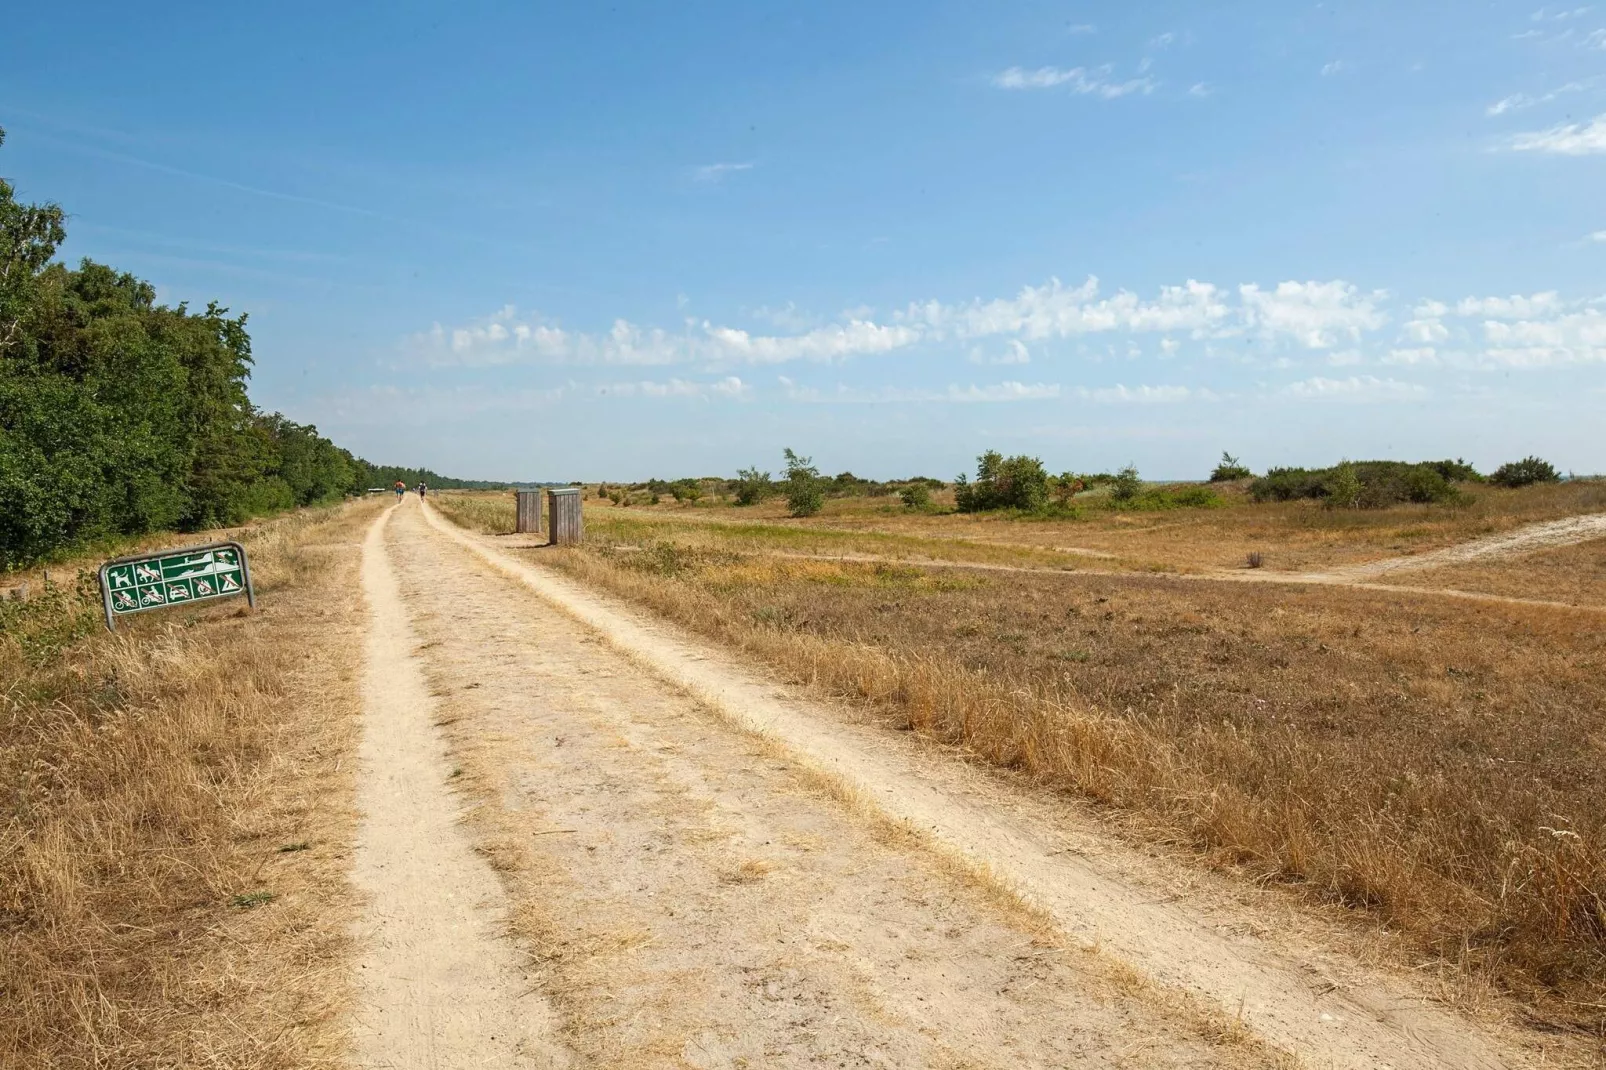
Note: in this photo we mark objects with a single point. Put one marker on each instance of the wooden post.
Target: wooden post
(565, 526)
(529, 510)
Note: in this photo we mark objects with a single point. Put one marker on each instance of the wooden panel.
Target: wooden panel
(529, 510)
(565, 525)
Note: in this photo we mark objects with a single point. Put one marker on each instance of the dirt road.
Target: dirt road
(700, 867)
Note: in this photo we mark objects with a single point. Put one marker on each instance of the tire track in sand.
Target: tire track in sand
(437, 987)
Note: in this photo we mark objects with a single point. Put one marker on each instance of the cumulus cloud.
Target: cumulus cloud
(1565, 139)
(1083, 81)
(1008, 390)
(1335, 67)
(730, 387)
(1514, 307)
(1355, 388)
(1316, 315)
(1141, 395)
(1054, 310)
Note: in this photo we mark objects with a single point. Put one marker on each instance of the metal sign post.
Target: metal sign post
(135, 584)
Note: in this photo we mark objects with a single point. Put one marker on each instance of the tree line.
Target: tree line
(120, 416)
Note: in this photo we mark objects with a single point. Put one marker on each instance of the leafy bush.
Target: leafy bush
(805, 490)
(1229, 470)
(752, 486)
(1344, 489)
(1525, 472)
(1126, 484)
(686, 490)
(915, 496)
(1067, 485)
(1003, 483)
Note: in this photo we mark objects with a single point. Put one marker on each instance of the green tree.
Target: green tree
(1344, 488)
(805, 490)
(752, 486)
(1126, 485)
(1229, 469)
(1018, 482)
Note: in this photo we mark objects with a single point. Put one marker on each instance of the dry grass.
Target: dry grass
(174, 816)
(1435, 764)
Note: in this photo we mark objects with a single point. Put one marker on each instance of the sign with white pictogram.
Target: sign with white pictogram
(174, 577)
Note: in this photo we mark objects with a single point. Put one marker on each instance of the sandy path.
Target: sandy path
(1353, 1019)
(694, 897)
(1564, 532)
(438, 988)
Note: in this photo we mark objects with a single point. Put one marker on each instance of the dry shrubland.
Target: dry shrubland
(174, 816)
(1438, 764)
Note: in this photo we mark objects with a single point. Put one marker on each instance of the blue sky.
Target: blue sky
(583, 241)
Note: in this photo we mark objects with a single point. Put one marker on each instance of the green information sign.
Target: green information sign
(174, 578)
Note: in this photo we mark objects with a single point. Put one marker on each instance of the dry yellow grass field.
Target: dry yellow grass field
(1439, 765)
(175, 814)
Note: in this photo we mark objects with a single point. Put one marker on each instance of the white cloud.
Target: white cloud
(716, 172)
(1418, 355)
(1565, 139)
(1140, 395)
(1577, 337)
(728, 387)
(1291, 323)
(1201, 89)
(1164, 40)
(1005, 391)
(1514, 307)
(995, 392)
(1519, 101)
(1599, 235)
(1082, 27)
(1355, 388)
(1084, 81)
(1055, 311)
(831, 342)
(1335, 67)
(1317, 315)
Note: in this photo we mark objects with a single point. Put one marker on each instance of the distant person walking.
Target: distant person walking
(401, 488)
(423, 488)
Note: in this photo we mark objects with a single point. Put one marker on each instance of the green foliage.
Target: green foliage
(1003, 483)
(752, 486)
(686, 490)
(1229, 470)
(915, 496)
(1525, 472)
(1067, 485)
(120, 416)
(1344, 487)
(1366, 484)
(805, 490)
(1126, 484)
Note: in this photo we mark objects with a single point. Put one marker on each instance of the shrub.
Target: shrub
(686, 490)
(1068, 485)
(1525, 472)
(1344, 488)
(805, 490)
(1229, 469)
(1380, 483)
(1003, 483)
(915, 496)
(752, 486)
(1126, 484)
